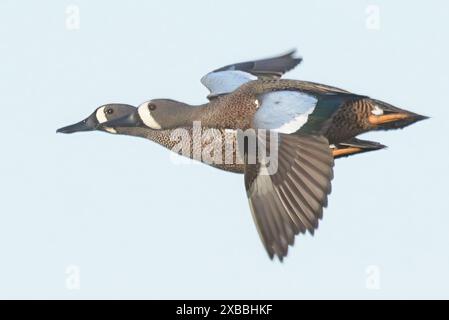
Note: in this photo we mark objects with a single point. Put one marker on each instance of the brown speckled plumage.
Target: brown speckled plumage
(236, 110)
(290, 199)
(349, 121)
(172, 138)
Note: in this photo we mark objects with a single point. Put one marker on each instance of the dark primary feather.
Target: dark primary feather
(273, 67)
(268, 69)
(291, 200)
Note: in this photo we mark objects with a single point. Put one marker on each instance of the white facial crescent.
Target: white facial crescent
(147, 118)
(101, 118)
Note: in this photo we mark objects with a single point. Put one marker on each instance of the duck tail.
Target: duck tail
(389, 117)
(355, 146)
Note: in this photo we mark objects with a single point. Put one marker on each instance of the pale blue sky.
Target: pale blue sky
(138, 226)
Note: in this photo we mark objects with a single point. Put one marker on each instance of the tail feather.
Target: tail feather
(355, 146)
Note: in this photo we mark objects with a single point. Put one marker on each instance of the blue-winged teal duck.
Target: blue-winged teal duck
(312, 123)
(275, 66)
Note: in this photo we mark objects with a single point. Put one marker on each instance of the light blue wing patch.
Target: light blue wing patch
(284, 111)
(223, 82)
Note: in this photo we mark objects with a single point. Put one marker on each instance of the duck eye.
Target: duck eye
(109, 111)
(151, 106)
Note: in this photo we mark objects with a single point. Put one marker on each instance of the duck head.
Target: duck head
(157, 114)
(101, 115)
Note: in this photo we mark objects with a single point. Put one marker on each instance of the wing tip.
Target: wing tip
(291, 53)
(296, 60)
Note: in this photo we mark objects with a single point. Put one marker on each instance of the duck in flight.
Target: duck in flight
(314, 123)
(265, 68)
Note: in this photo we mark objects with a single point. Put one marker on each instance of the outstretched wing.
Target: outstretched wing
(289, 200)
(226, 79)
(273, 67)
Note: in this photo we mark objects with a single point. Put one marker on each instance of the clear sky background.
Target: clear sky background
(101, 216)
